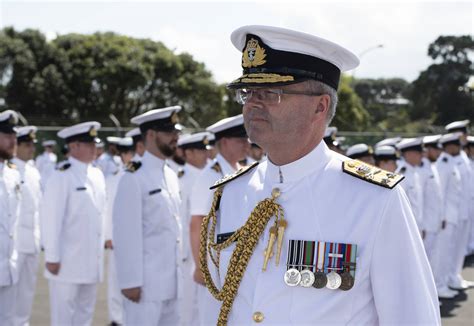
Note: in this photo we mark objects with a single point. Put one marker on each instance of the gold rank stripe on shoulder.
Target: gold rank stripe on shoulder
(371, 173)
(180, 173)
(216, 167)
(133, 166)
(235, 175)
(64, 167)
(11, 165)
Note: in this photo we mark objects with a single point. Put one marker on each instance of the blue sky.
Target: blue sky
(405, 28)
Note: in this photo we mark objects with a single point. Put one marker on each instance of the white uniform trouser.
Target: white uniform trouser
(7, 304)
(445, 255)
(151, 313)
(72, 304)
(25, 293)
(188, 304)
(114, 296)
(460, 240)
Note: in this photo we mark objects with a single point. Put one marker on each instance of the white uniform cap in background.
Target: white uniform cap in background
(26, 134)
(389, 142)
(410, 144)
(83, 132)
(164, 119)
(453, 137)
(359, 150)
(48, 142)
(232, 127)
(457, 125)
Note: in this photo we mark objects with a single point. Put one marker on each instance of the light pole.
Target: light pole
(361, 54)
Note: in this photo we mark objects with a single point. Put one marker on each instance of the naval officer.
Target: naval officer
(10, 196)
(72, 217)
(309, 236)
(146, 226)
(27, 240)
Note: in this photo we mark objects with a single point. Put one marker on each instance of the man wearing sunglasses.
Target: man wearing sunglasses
(309, 236)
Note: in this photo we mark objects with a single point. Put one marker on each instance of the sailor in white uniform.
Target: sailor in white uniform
(194, 147)
(309, 236)
(109, 162)
(232, 143)
(138, 145)
(72, 218)
(46, 161)
(411, 150)
(10, 196)
(146, 226)
(114, 297)
(386, 157)
(27, 240)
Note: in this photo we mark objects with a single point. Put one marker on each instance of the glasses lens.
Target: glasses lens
(241, 96)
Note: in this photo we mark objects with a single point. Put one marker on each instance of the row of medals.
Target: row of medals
(306, 278)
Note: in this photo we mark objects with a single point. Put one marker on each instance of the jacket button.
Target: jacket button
(258, 317)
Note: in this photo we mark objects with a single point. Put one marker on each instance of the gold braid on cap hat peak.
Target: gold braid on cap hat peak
(246, 238)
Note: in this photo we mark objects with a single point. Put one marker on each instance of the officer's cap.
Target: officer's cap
(113, 140)
(389, 142)
(457, 126)
(470, 140)
(198, 140)
(165, 119)
(48, 142)
(410, 144)
(385, 152)
(136, 135)
(451, 138)
(8, 121)
(359, 150)
(26, 134)
(273, 56)
(432, 141)
(125, 144)
(232, 127)
(85, 132)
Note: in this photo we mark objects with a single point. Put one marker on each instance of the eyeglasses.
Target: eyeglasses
(268, 95)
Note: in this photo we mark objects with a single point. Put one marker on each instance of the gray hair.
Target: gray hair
(315, 86)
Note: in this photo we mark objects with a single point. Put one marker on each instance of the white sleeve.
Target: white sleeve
(128, 232)
(111, 189)
(52, 213)
(402, 281)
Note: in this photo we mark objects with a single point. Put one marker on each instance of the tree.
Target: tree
(440, 93)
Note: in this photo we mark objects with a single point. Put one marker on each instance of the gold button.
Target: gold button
(276, 192)
(258, 317)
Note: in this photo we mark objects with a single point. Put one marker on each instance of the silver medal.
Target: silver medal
(307, 278)
(292, 277)
(334, 281)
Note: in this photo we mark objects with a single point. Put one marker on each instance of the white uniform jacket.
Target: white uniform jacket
(413, 188)
(432, 197)
(109, 164)
(10, 196)
(201, 199)
(46, 164)
(146, 230)
(71, 215)
(451, 186)
(27, 238)
(393, 280)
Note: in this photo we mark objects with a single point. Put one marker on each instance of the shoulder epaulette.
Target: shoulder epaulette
(216, 167)
(133, 166)
(180, 173)
(11, 165)
(371, 173)
(64, 167)
(403, 170)
(445, 159)
(228, 178)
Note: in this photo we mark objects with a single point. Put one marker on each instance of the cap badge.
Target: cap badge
(11, 119)
(205, 141)
(93, 132)
(32, 135)
(254, 55)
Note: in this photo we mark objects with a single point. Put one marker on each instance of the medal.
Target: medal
(292, 277)
(347, 281)
(320, 280)
(334, 281)
(307, 278)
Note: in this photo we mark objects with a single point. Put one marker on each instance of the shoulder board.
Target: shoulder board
(11, 165)
(371, 173)
(180, 173)
(403, 170)
(228, 178)
(445, 159)
(216, 167)
(64, 167)
(133, 166)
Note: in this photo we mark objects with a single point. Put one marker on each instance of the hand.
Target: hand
(443, 225)
(109, 244)
(53, 268)
(132, 294)
(198, 277)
